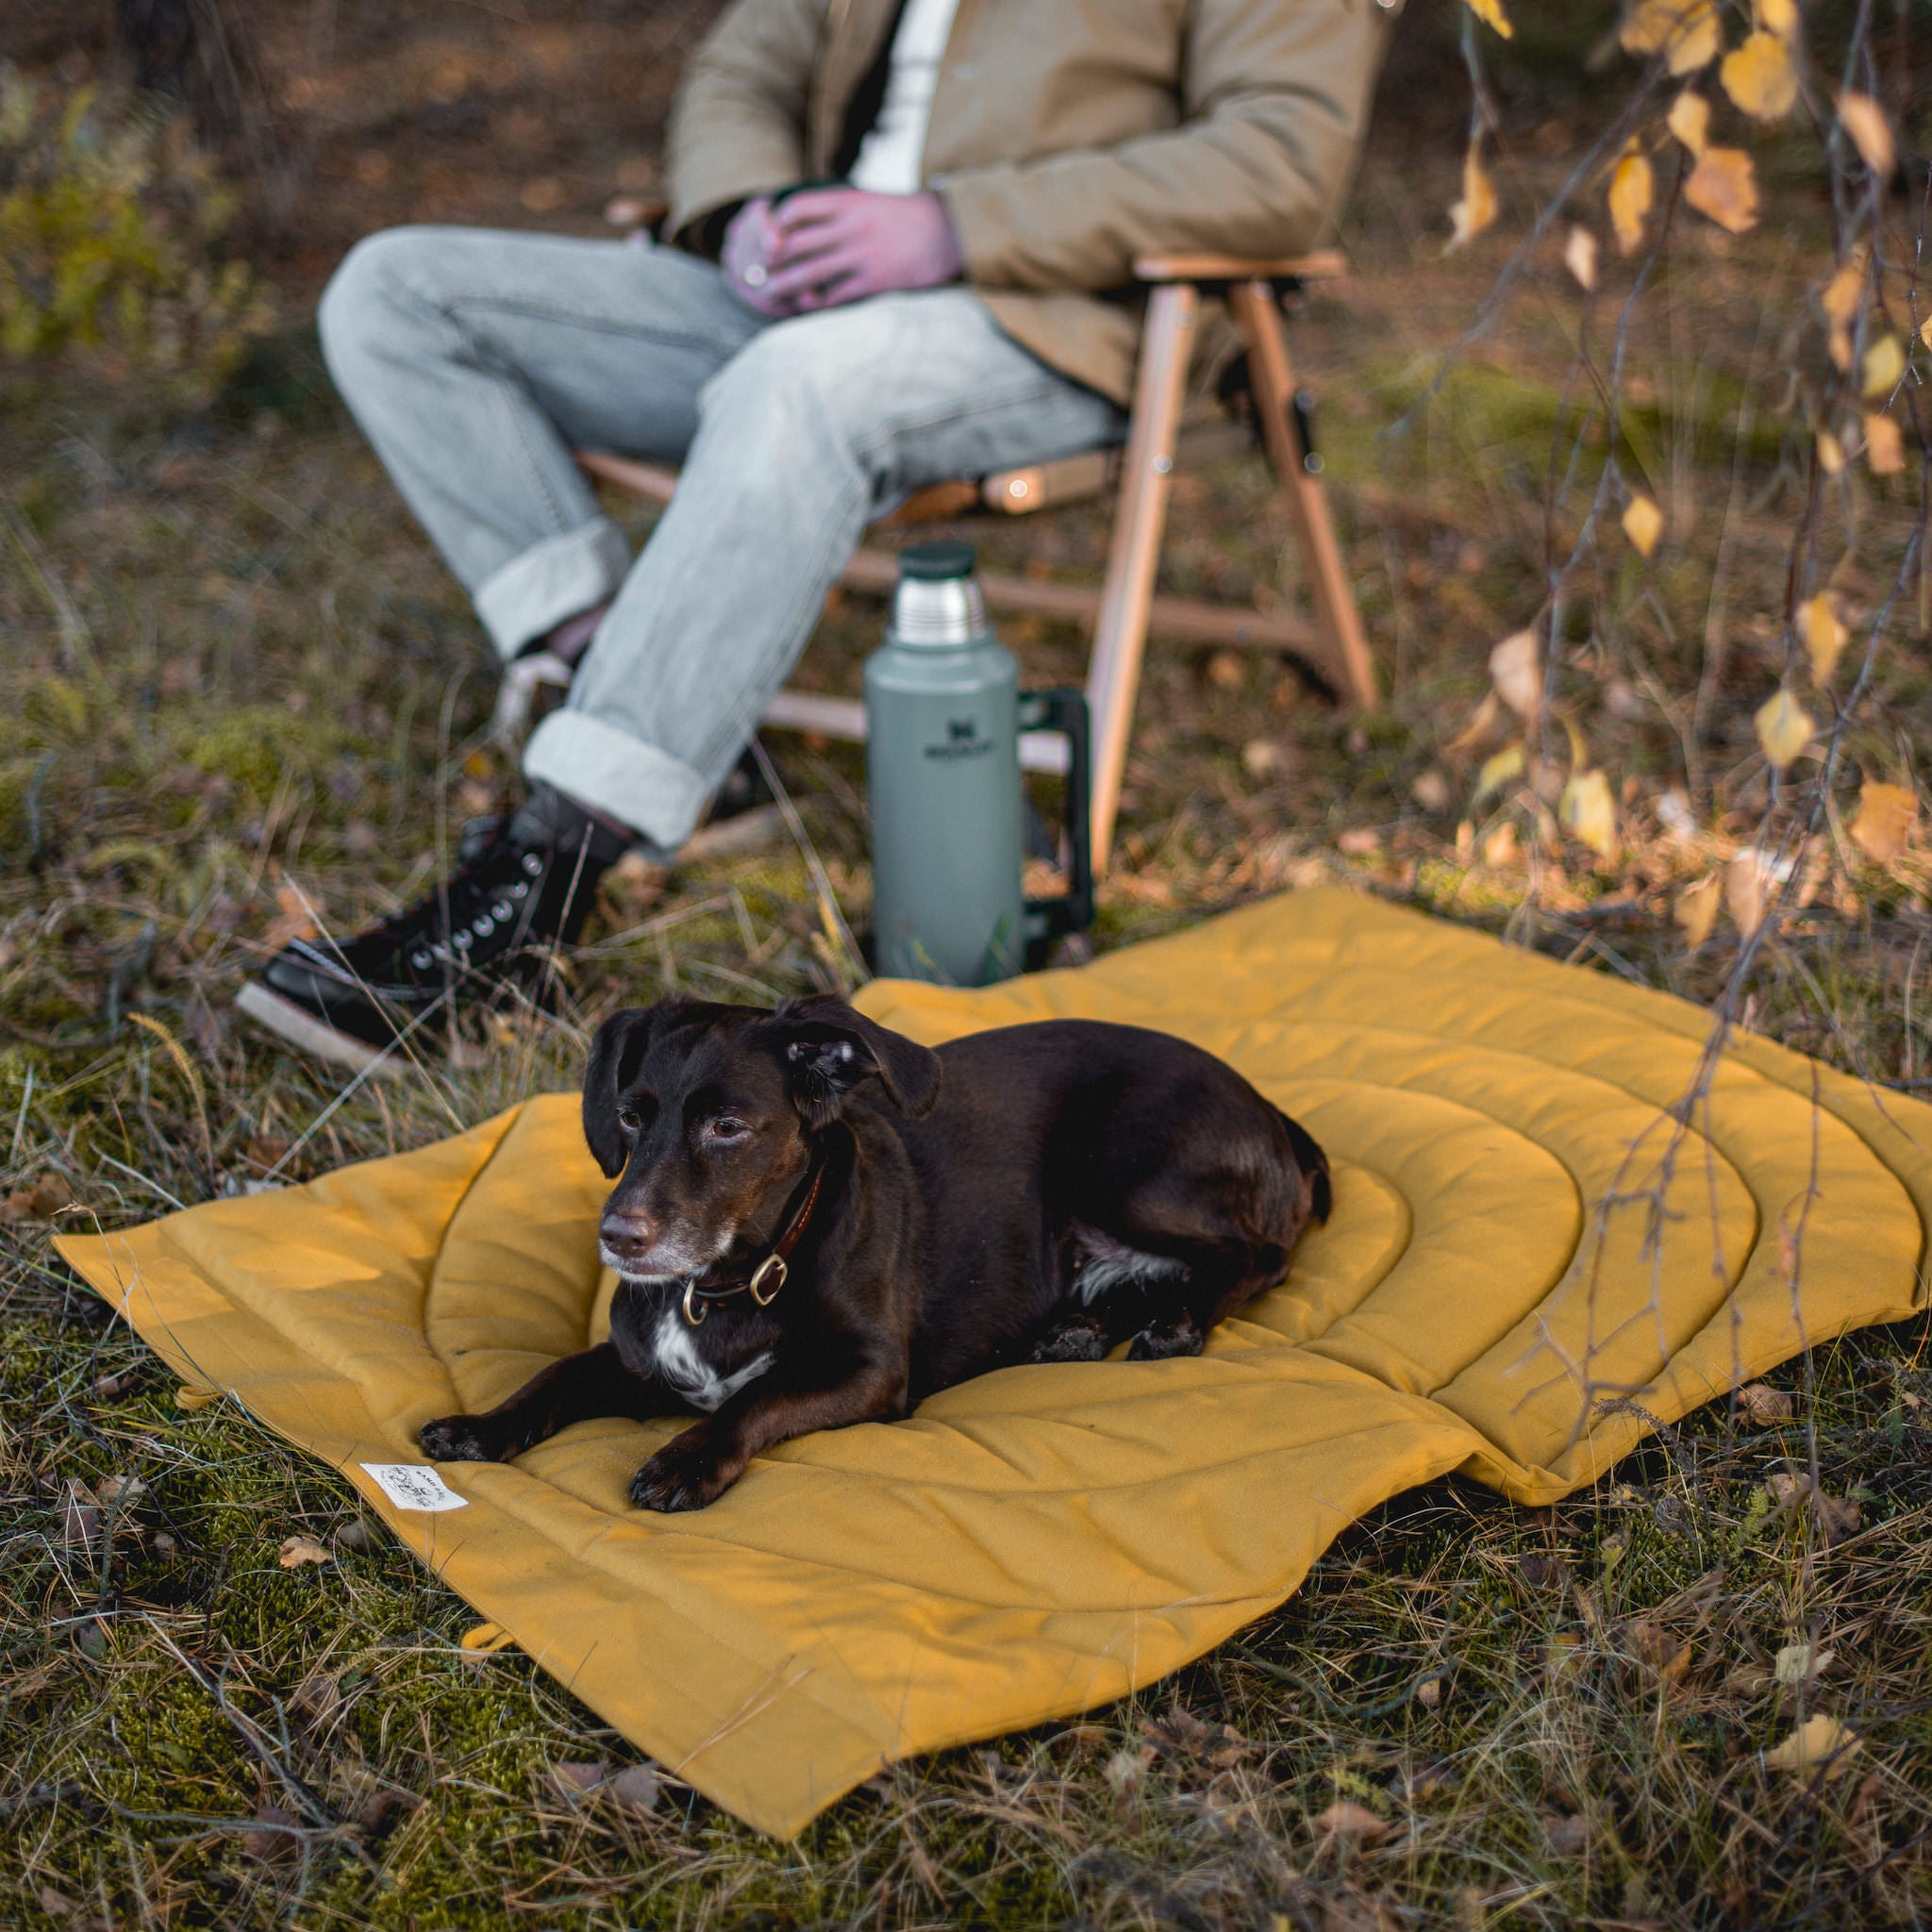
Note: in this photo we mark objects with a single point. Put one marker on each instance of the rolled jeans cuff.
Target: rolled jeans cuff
(552, 580)
(635, 783)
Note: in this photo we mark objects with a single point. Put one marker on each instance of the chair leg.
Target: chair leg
(1259, 318)
(1120, 632)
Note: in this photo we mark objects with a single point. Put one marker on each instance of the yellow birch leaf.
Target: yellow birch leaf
(1865, 122)
(1632, 186)
(1823, 635)
(1885, 363)
(1745, 878)
(1885, 447)
(1784, 728)
(1490, 13)
(1821, 1743)
(1779, 17)
(1926, 331)
(1516, 666)
(1690, 120)
(297, 1550)
(1840, 301)
(1588, 813)
(1497, 772)
(1886, 816)
(1758, 75)
(1724, 186)
(1477, 208)
(1831, 453)
(1579, 258)
(1696, 910)
(1480, 719)
(1688, 28)
(1643, 523)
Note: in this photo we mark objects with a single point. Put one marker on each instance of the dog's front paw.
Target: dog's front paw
(462, 1439)
(688, 1473)
(1163, 1341)
(1077, 1339)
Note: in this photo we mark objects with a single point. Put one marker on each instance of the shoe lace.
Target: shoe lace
(482, 894)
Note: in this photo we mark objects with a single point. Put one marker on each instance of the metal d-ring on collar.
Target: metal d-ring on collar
(764, 1281)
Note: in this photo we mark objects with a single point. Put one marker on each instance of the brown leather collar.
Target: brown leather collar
(768, 1277)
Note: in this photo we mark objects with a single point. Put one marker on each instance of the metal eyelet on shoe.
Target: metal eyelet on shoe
(521, 890)
(533, 863)
(500, 912)
(460, 940)
(483, 928)
(419, 960)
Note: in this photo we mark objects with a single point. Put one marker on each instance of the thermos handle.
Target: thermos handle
(1063, 708)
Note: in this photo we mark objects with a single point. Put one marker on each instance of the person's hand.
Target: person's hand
(746, 257)
(835, 245)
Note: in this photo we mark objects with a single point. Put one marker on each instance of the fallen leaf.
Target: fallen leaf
(1359, 841)
(1490, 13)
(57, 1905)
(274, 1836)
(1688, 29)
(635, 1789)
(1758, 75)
(297, 1550)
(318, 1697)
(1588, 812)
(1428, 1694)
(1690, 120)
(1885, 448)
(1764, 1405)
(1125, 1770)
(1643, 523)
(123, 1490)
(1798, 1663)
(1823, 635)
(1431, 791)
(1779, 17)
(1579, 256)
(1516, 667)
(1723, 187)
(379, 1809)
(1345, 1820)
(80, 1517)
(1568, 1837)
(1696, 910)
(42, 1201)
(1632, 187)
(1476, 210)
(1744, 881)
(573, 1778)
(1539, 1572)
(1480, 721)
(1820, 1743)
(1784, 726)
(1497, 770)
(1865, 122)
(1884, 363)
(1886, 816)
(1831, 453)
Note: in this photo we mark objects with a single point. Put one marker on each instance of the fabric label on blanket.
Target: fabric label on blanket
(413, 1486)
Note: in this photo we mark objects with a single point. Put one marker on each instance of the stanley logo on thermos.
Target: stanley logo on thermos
(962, 740)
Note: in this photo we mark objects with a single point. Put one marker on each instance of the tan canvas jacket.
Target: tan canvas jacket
(1067, 136)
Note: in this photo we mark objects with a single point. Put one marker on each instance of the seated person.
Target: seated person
(947, 295)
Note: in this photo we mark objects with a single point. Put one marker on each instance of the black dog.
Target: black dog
(820, 1223)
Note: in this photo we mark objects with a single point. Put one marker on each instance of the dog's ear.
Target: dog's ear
(617, 1051)
(829, 1049)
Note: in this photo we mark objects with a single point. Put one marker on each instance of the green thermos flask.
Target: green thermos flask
(944, 712)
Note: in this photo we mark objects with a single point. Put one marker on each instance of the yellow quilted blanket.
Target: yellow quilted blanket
(1045, 1538)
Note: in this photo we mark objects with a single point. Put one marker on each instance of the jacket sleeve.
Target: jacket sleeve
(1274, 100)
(737, 126)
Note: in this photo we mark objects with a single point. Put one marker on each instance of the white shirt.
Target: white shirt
(892, 153)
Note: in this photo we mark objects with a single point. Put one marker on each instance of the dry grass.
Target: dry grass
(236, 689)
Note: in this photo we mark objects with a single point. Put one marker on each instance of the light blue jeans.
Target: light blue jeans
(475, 360)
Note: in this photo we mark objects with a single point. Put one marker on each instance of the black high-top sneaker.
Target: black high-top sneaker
(521, 887)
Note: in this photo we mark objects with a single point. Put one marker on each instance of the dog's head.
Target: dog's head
(705, 1116)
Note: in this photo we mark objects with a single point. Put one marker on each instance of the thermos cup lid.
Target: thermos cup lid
(937, 605)
(935, 563)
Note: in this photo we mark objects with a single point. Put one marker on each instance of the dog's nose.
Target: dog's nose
(631, 1236)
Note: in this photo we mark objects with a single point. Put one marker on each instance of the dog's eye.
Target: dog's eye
(729, 1127)
(630, 1118)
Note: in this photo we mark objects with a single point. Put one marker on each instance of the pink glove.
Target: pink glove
(746, 257)
(841, 244)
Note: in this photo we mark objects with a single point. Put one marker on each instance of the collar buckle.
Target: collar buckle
(772, 1268)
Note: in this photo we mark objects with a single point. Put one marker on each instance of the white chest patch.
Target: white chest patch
(681, 1365)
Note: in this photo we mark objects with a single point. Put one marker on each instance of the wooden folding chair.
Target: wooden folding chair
(1123, 609)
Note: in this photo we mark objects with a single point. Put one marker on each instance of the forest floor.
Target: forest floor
(238, 693)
